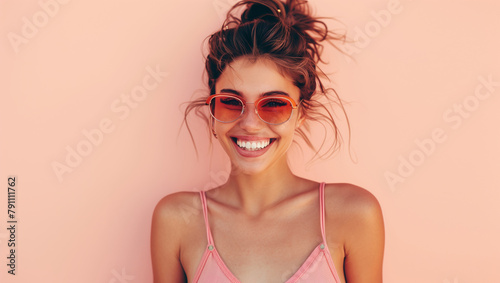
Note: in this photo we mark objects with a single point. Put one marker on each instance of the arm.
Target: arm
(365, 245)
(166, 235)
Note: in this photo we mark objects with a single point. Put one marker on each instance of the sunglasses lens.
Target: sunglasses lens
(275, 110)
(225, 108)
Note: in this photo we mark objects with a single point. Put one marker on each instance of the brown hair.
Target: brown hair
(287, 34)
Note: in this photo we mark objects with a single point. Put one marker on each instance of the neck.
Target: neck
(256, 192)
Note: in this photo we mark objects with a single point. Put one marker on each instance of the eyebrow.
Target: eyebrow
(268, 93)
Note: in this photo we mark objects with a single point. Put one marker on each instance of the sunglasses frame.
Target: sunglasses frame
(244, 103)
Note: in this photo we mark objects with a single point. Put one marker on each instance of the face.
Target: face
(252, 144)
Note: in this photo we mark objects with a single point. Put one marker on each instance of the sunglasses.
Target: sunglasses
(274, 109)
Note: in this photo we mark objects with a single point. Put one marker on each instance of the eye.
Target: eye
(274, 103)
(230, 101)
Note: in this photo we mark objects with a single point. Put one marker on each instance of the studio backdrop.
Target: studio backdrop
(91, 109)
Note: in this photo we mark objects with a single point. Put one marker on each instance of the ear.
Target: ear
(300, 120)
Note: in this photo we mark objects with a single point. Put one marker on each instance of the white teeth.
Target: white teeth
(253, 145)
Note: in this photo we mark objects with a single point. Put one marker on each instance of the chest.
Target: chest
(267, 250)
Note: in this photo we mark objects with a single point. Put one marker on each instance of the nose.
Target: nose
(250, 121)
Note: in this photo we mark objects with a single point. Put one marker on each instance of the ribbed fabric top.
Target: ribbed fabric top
(317, 268)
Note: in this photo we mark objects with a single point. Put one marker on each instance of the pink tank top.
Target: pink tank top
(318, 267)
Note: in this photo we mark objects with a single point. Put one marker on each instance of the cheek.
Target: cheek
(222, 128)
(287, 132)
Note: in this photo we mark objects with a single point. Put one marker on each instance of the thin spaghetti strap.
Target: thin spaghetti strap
(322, 209)
(205, 216)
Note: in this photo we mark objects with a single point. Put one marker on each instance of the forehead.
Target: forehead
(253, 77)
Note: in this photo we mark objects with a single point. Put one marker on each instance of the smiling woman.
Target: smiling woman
(265, 224)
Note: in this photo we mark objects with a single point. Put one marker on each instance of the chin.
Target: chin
(246, 169)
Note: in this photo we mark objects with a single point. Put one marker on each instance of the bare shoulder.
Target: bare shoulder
(172, 218)
(176, 208)
(353, 209)
(173, 201)
(350, 199)
(355, 221)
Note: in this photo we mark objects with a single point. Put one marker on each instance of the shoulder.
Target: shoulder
(173, 219)
(356, 222)
(177, 208)
(351, 199)
(353, 208)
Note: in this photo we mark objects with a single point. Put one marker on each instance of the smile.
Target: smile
(252, 145)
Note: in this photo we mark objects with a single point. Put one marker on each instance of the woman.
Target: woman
(266, 224)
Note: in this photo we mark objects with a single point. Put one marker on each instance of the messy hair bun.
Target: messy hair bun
(287, 34)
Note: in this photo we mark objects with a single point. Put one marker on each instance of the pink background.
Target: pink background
(411, 74)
